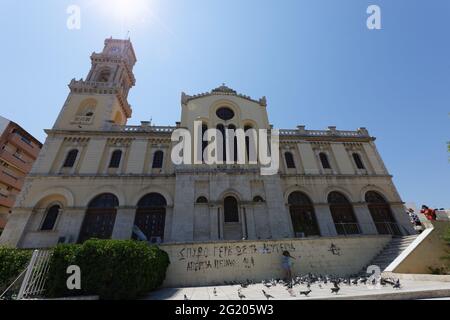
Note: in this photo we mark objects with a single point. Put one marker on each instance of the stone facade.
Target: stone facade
(210, 264)
(91, 152)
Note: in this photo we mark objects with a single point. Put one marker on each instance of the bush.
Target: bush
(12, 263)
(111, 269)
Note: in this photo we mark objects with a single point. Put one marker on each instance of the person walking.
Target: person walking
(286, 265)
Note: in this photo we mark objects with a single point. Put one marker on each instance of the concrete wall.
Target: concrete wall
(426, 251)
(202, 264)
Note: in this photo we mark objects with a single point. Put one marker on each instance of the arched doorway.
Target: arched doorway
(100, 218)
(381, 214)
(232, 228)
(303, 217)
(343, 216)
(150, 218)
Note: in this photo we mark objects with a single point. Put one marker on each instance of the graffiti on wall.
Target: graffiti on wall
(212, 257)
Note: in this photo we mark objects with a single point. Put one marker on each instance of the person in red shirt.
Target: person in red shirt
(430, 214)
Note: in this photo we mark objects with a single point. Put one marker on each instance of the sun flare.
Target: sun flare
(126, 10)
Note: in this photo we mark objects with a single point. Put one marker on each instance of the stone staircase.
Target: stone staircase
(392, 251)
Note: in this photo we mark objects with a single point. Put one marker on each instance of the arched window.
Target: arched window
(303, 216)
(343, 215)
(221, 150)
(50, 218)
(258, 199)
(358, 161)
(204, 143)
(150, 218)
(70, 159)
(158, 158)
(100, 218)
(152, 200)
(115, 159)
(324, 160)
(104, 75)
(231, 210)
(225, 113)
(290, 163)
(235, 142)
(381, 213)
(250, 143)
(202, 200)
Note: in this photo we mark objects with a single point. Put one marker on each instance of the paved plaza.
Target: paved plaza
(410, 290)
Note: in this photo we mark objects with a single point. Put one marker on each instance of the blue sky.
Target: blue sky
(315, 60)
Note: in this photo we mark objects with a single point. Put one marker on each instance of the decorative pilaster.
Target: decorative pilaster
(364, 218)
(123, 227)
(325, 220)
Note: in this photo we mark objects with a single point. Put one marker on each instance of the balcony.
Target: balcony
(82, 120)
(15, 182)
(15, 161)
(29, 148)
(7, 202)
(331, 132)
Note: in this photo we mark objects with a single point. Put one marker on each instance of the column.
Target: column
(308, 158)
(342, 159)
(16, 227)
(90, 163)
(375, 161)
(183, 211)
(325, 220)
(70, 223)
(402, 218)
(364, 218)
(168, 224)
(214, 223)
(123, 227)
(47, 155)
(279, 219)
(136, 158)
(251, 226)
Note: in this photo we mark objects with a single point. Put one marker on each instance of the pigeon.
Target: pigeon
(215, 291)
(305, 293)
(240, 295)
(397, 285)
(355, 282)
(291, 293)
(268, 296)
(320, 286)
(335, 290)
(186, 297)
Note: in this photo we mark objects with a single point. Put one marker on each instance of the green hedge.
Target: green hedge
(111, 269)
(12, 263)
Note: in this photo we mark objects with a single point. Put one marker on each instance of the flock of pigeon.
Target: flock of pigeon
(321, 282)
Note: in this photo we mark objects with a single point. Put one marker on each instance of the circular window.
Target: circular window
(225, 113)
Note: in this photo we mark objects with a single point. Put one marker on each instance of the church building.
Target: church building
(97, 177)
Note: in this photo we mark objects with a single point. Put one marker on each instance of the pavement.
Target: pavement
(410, 290)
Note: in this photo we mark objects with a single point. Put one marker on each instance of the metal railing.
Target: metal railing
(331, 132)
(372, 228)
(345, 229)
(33, 284)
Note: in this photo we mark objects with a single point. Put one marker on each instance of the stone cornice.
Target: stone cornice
(221, 91)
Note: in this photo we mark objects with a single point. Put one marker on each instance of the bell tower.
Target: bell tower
(101, 101)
